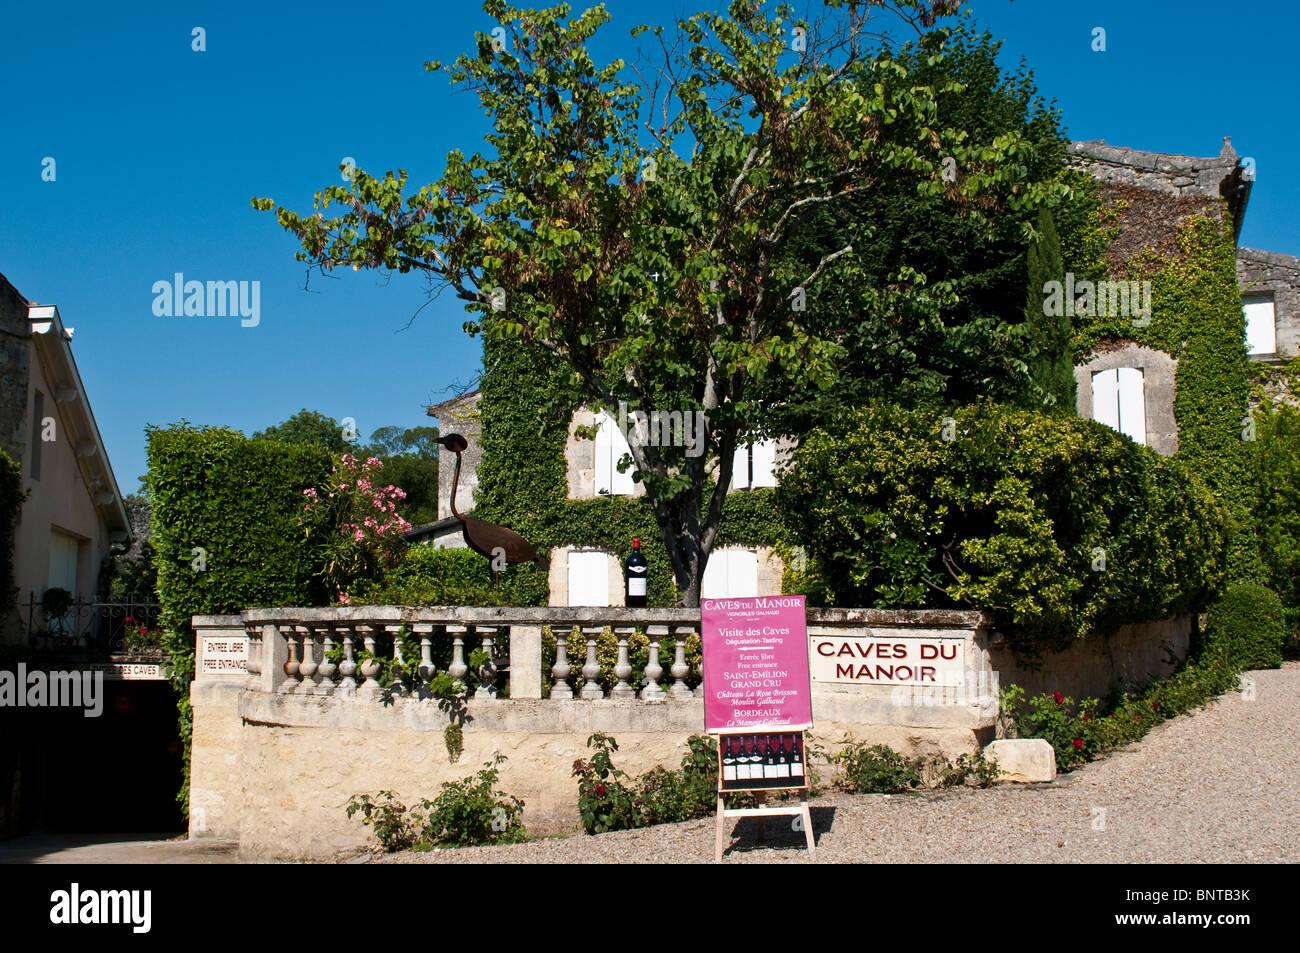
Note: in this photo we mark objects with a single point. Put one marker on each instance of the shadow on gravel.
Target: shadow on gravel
(780, 833)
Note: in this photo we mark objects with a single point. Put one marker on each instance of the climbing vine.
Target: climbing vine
(1196, 317)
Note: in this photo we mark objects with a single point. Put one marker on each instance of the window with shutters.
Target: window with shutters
(588, 579)
(730, 574)
(1119, 401)
(754, 466)
(611, 447)
(1261, 326)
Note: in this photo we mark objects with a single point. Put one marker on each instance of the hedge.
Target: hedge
(1277, 477)
(11, 500)
(1246, 625)
(234, 504)
(1061, 526)
(225, 534)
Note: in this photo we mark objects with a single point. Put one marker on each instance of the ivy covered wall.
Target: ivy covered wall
(1196, 318)
(527, 404)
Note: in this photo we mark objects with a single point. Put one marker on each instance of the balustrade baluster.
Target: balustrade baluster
(622, 667)
(325, 683)
(653, 670)
(348, 667)
(487, 673)
(457, 669)
(561, 669)
(396, 686)
(370, 665)
(591, 671)
(680, 669)
(291, 682)
(426, 669)
(307, 668)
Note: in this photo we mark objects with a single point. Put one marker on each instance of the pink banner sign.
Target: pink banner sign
(755, 663)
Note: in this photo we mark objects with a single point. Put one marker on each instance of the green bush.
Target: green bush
(11, 500)
(1061, 526)
(875, 769)
(610, 800)
(464, 814)
(1247, 625)
(425, 576)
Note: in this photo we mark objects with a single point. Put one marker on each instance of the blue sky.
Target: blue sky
(159, 148)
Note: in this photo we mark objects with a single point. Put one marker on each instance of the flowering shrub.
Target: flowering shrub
(357, 524)
(609, 800)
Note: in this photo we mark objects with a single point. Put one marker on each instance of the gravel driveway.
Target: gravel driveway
(1214, 786)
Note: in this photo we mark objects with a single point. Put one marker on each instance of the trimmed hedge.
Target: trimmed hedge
(425, 576)
(1061, 526)
(231, 506)
(11, 500)
(1277, 523)
(239, 501)
(1246, 626)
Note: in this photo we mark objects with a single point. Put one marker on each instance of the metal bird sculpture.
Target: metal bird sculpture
(488, 539)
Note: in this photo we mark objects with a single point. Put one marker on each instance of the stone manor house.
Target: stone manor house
(1124, 385)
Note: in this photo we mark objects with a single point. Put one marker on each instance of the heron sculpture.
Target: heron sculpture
(488, 539)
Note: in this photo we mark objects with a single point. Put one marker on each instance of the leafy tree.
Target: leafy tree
(410, 459)
(640, 233)
(931, 304)
(309, 426)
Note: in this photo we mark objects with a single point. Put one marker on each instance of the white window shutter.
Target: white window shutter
(604, 453)
(740, 468)
(714, 584)
(1132, 403)
(1261, 327)
(742, 574)
(765, 463)
(730, 574)
(1105, 398)
(588, 579)
(623, 483)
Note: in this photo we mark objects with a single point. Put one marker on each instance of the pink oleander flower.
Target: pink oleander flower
(374, 462)
(344, 599)
(359, 536)
(310, 491)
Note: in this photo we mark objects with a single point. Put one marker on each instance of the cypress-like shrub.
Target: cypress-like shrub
(1061, 526)
(1246, 625)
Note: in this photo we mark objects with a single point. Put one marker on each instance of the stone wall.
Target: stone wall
(458, 415)
(276, 770)
(15, 366)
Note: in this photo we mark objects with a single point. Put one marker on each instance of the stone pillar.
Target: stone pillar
(525, 661)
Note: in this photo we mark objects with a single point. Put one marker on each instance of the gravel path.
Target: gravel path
(1214, 786)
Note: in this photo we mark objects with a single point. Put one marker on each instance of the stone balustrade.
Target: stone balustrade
(333, 651)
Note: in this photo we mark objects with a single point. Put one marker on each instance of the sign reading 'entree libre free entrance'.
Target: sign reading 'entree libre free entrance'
(755, 663)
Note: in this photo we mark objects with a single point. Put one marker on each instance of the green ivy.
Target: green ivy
(1197, 318)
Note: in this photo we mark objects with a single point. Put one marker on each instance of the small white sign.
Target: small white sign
(222, 655)
(888, 660)
(141, 672)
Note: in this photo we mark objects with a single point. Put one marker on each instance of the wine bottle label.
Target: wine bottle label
(742, 771)
(796, 770)
(728, 772)
(782, 770)
(769, 771)
(635, 586)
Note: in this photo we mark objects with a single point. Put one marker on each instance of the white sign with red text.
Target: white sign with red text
(888, 659)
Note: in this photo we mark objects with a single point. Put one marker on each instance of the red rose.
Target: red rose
(1155, 706)
(600, 790)
(1058, 697)
(1078, 742)
(1085, 717)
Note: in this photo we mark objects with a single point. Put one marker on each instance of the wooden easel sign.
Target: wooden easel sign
(758, 702)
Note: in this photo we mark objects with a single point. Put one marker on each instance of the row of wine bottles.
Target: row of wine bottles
(757, 758)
